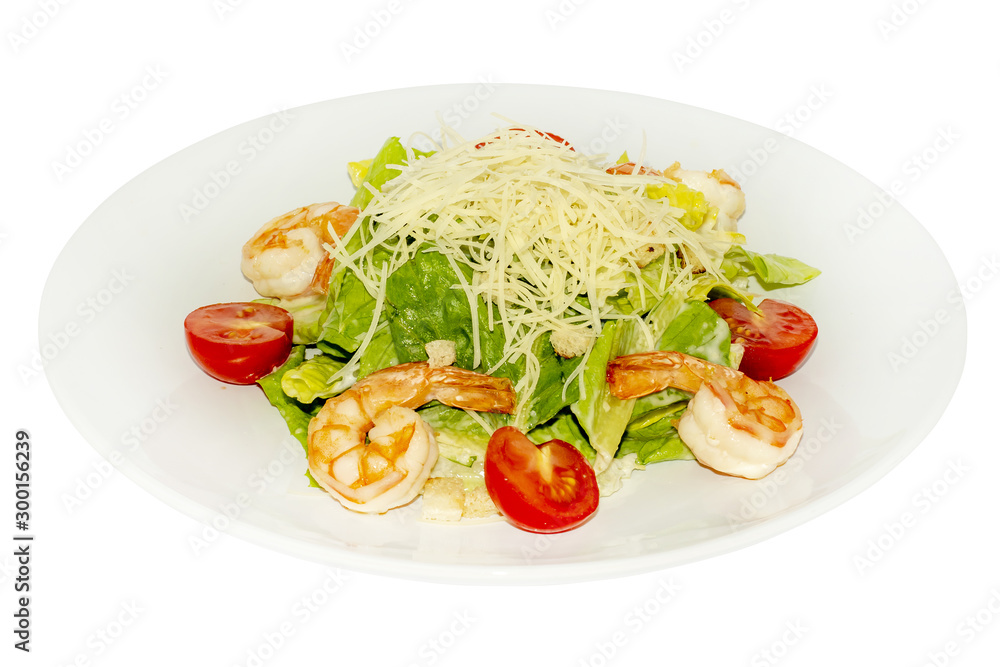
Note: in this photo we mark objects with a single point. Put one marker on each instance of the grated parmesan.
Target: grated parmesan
(540, 225)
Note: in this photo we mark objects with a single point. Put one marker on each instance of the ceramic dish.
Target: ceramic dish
(881, 375)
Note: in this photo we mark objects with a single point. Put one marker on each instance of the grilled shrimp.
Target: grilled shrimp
(733, 424)
(390, 468)
(286, 257)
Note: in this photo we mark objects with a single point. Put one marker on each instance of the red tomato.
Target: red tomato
(239, 342)
(776, 340)
(548, 488)
(548, 135)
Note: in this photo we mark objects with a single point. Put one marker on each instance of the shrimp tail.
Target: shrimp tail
(460, 388)
(732, 424)
(642, 374)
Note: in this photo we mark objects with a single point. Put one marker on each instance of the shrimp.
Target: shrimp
(720, 190)
(733, 424)
(390, 469)
(286, 257)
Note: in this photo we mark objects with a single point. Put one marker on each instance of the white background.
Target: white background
(883, 78)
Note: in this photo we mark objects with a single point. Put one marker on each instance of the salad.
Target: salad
(509, 327)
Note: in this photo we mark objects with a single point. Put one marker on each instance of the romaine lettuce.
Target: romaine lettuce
(697, 330)
(315, 378)
(348, 314)
(564, 426)
(289, 409)
(693, 329)
(771, 270)
(349, 306)
(379, 171)
(460, 438)
(295, 416)
(307, 316)
(380, 352)
(601, 415)
(653, 437)
(423, 304)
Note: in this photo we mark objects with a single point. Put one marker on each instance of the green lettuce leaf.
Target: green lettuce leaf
(380, 352)
(706, 288)
(602, 416)
(349, 306)
(770, 270)
(630, 300)
(379, 171)
(290, 410)
(307, 316)
(422, 305)
(314, 379)
(653, 437)
(551, 393)
(564, 426)
(460, 438)
(698, 330)
(694, 329)
(348, 314)
(295, 415)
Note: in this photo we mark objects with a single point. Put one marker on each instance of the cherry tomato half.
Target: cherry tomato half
(547, 488)
(548, 135)
(239, 342)
(776, 341)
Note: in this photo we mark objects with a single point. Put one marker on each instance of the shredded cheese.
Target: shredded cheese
(539, 224)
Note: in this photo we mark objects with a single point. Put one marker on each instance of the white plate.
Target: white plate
(889, 356)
